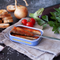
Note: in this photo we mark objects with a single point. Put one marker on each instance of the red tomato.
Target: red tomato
(32, 20)
(24, 21)
(30, 24)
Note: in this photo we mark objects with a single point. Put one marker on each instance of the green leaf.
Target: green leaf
(44, 26)
(57, 13)
(45, 17)
(53, 18)
(40, 22)
(59, 28)
(52, 13)
(57, 9)
(58, 18)
(55, 29)
(51, 23)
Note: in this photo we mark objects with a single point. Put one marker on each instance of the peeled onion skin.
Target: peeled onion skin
(21, 12)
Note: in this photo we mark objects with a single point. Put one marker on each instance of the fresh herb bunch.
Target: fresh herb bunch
(55, 22)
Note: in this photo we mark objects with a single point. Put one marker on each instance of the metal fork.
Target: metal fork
(50, 37)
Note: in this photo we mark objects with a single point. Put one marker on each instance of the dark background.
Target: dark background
(9, 53)
(33, 4)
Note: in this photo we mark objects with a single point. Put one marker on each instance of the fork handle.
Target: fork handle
(50, 37)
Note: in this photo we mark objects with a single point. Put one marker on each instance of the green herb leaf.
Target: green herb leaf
(52, 13)
(45, 17)
(59, 28)
(56, 32)
(51, 23)
(55, 29)
(57, 9)
(40, 22)
(58, 18)
(44, 26)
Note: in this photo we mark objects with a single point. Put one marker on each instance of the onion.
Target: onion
(21, 11)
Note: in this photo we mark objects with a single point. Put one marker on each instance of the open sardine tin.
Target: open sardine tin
(26, 41)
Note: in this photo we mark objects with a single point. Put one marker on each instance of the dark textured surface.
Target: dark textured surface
(10, 54)
(33, 4)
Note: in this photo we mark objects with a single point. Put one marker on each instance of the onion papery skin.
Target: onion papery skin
(21, 12)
